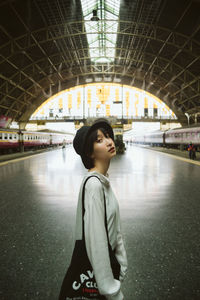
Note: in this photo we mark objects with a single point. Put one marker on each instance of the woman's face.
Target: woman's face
(104, 147)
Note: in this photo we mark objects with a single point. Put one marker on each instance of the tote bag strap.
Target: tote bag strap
(83, 209)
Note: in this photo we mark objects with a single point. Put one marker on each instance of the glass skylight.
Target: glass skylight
(102, 34)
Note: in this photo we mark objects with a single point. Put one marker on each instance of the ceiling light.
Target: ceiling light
(94, 17)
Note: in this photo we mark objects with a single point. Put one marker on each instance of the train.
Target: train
(173, 138)
(12, 140)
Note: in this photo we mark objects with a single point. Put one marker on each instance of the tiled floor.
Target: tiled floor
(159, 199)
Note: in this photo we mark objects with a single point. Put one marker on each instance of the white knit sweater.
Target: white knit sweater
(95, 233)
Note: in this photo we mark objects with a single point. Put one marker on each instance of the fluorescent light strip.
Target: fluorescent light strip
(102, 34)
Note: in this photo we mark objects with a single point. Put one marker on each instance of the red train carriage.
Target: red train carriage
(14, 140)
(9, 140)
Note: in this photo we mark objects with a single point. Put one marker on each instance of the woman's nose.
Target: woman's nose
(109, 141)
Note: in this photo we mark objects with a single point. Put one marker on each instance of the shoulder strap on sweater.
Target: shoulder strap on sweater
(83, 209)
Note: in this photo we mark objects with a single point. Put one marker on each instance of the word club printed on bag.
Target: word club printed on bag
(77, 298)
(88, 284)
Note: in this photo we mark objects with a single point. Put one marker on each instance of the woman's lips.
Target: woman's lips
(112, 149)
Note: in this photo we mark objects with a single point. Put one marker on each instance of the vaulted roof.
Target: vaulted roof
(44, 48)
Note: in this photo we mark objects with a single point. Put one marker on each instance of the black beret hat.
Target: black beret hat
(83, 133)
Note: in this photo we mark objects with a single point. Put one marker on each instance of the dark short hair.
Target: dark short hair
(89, 146)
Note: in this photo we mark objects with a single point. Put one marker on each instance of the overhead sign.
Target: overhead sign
(4, 121)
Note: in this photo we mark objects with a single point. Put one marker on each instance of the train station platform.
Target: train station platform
(179, 154)
(159, 203)
(17, 155)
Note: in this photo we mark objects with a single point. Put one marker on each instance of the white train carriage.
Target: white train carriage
(150, 138)
(183, 136)
(154, 138)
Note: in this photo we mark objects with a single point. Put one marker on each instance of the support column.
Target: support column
(22, 126)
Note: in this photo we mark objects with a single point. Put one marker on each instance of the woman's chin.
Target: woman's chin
(113, 153)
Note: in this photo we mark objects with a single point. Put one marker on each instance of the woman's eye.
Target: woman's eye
(98, 141)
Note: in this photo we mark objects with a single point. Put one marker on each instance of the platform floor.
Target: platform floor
(159, 199)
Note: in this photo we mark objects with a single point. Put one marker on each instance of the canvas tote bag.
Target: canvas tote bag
(79, 281)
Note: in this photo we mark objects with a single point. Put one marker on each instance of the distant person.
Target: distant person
(192, 151)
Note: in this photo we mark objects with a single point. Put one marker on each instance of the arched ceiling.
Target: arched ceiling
(44, 49)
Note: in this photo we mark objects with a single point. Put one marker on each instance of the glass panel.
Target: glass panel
(101, 34)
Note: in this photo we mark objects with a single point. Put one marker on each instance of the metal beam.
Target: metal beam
(34, 39)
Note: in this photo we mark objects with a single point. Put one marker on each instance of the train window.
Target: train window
(176, 135)
(188, 134)
(28, 137)
(10, 136)
(1, 136)
(5, 136)
(15, 136)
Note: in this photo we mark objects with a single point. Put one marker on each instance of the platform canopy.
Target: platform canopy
(51, 45)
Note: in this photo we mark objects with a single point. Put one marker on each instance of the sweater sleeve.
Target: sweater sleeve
(96, 241)
(121, 256)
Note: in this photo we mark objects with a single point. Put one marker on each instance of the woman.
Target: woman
(95, 145)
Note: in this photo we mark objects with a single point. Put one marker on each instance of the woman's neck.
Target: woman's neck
(102, 169)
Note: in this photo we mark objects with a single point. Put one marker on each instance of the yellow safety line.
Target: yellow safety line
(18, 159)
(179, 157)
